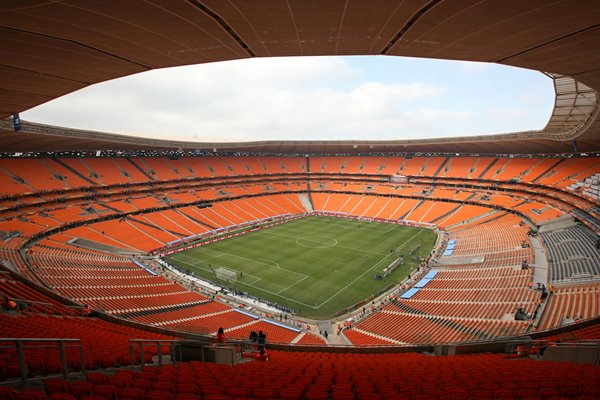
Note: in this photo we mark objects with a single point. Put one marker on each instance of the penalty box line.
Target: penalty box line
(197, 261)
(251, 284)
(304, 276)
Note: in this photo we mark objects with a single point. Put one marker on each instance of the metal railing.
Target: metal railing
(21, 344)
(158, 343)
(44, 307)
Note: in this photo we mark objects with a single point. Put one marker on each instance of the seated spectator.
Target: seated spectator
(263, 356)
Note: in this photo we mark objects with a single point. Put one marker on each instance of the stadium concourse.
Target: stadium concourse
(509, 293)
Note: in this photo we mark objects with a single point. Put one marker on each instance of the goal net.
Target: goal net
(226, 274)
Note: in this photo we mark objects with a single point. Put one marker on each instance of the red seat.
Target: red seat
(147, 375)
(183, 388)
(290, 394)
(338, 395)
(6, 392)
(80, 389)
(62, 396)
(142, 384)
(188, 396)
(264, 394)
(237, 392)
(55, 385)
(218, 397)
(96, 378)
(316, 395)
(29, 394)
(118, 381)
(163, 387)
(592, 391)
(157, 395)
(107, 392)
(547, 392)
(130, 394)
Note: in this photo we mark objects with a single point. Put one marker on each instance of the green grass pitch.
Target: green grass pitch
(315, 265)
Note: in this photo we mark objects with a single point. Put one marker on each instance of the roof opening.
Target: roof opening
(311, 98)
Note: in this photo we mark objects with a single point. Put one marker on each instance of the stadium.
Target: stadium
(450, 268)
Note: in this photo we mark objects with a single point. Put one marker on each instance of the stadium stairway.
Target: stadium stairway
(162, 310)
(375, 335)
(306, 202)
(540, 268)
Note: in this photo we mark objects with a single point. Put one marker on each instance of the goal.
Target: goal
(226, 274)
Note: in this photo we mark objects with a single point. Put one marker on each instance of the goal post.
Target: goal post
(226, 274)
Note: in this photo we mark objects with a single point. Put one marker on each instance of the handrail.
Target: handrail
(20, 345)
(158, 343)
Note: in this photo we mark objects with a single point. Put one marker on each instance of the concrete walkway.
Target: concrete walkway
(540, 267)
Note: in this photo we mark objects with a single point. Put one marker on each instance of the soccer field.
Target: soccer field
(314, 265)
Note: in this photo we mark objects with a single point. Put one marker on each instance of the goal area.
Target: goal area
(226, 274)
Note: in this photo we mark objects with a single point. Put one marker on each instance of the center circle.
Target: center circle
(316, 242)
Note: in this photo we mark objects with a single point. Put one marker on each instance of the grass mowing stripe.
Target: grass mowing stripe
(360, 276)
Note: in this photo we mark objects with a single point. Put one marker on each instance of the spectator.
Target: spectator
(262, 340)
(263, 356)
(220, 336)
(253, 338)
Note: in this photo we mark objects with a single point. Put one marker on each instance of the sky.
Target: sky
(310, 98)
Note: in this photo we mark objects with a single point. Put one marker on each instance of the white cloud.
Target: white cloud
(300, 98)
(473, 66)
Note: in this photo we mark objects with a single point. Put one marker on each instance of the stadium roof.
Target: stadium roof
(51, 48)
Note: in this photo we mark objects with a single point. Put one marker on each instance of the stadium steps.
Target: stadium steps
(447, 214)
(477, 218)
(526, 201)
(163, 310)
(201, 223)
(73, 170)
(375, 335)
(264, 167)
(17, 179)
(122, 170)
(308, 189)
(146, 174)
(442, 165)
(488, 168)
(297, 338)
(149, 225)
(552, 167)
(306, 202)
(195, 318)
(419, 204)
(110, 208)
(233, 328)
(382, 165)
(407, 308)
(55, 174)
(458, 327)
